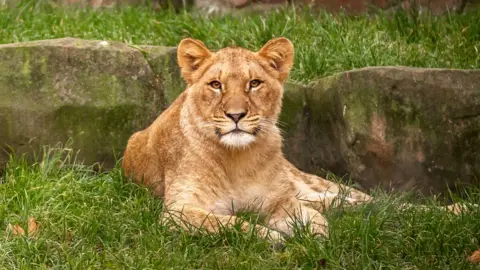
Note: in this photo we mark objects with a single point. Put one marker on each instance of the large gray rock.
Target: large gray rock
(97, 93)
(394, 127)
(347, 6)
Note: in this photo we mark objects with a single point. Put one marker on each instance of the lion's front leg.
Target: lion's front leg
(287, 212)
(191, 201)
(188, 216)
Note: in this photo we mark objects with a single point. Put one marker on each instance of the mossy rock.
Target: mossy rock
(96, 93)
(395, 127)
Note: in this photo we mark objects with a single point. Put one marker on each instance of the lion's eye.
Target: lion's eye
(216, 85)
(255, 83)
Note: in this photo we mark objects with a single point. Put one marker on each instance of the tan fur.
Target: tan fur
(187, 158)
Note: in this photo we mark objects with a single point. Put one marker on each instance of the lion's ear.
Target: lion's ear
(191, 55)
(279, 53)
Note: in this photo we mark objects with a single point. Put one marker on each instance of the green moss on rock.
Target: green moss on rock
(96, 93)
(394, 127)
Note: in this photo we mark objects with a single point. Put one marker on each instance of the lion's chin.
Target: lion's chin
(237, 139)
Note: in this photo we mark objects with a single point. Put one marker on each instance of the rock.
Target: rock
(167, 67)
(176, 4)
(360, 6)
(347, 6)
(95, 92)
(246, 6)
(394, 127)
(237, 7)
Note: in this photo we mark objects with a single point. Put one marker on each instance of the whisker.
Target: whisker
(282, 124)
(277, 122)
(273, 129)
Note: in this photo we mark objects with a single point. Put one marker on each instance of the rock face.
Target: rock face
(228, 6)
(395, 127)
(95, 92)
(359, 6)
(348, 6)
(177, 4)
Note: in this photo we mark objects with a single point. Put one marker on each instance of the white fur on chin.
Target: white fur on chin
(237, 139)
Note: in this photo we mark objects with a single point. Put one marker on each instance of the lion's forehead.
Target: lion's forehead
(234, 53)
(236, 65)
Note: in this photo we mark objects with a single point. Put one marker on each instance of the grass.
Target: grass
(96, 221)
(325, 43)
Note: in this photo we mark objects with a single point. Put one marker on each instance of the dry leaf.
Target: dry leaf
(32, 227)
(16, 230)
(100, 247)
(475, 258)
(322, 263)
(68, 237)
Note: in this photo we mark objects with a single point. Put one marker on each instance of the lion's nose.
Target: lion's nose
(236, 117)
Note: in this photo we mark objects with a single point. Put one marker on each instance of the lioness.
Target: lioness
(217, 149)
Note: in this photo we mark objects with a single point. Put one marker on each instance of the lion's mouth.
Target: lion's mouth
(237, 131)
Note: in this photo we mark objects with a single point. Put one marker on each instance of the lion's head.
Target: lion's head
(234, 95)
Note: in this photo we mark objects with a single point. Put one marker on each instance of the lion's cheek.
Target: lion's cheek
(206, 102)
(267, 103)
